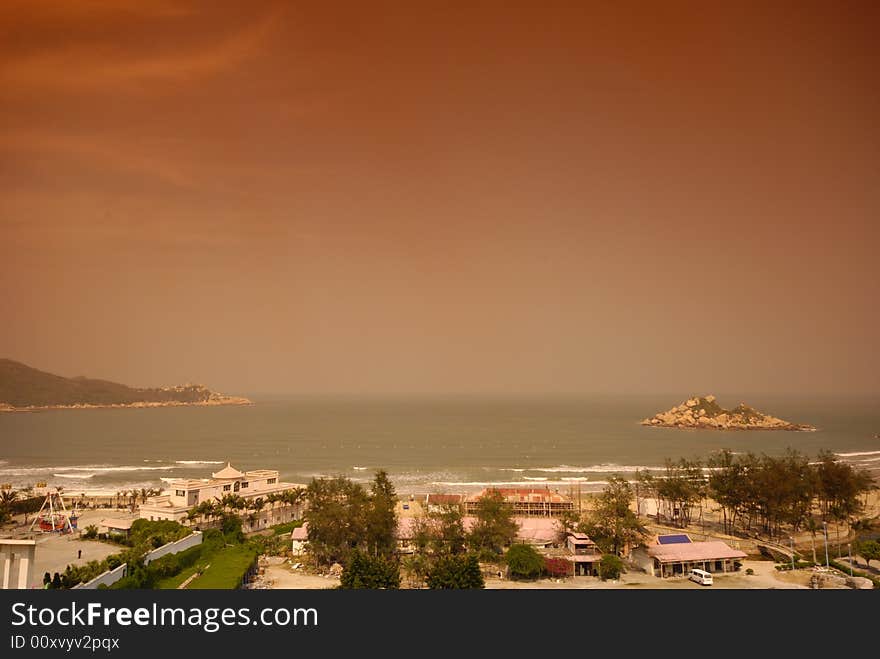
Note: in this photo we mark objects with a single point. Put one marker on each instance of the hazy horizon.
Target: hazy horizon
(443, 200)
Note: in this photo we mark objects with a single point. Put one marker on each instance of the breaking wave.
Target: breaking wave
(605, 468)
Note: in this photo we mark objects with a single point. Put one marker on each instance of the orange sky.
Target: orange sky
(442, 197)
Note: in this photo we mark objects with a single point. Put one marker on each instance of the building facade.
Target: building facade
(184, 495)
(525, 502)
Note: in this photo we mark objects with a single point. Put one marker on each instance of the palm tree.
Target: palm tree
(7, 497)
(145, 494)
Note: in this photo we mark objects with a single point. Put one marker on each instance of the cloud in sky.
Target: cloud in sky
(83, 66)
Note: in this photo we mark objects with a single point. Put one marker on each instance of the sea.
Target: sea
(436, 444)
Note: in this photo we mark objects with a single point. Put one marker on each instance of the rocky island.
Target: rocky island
(704, 412)
(26, 389)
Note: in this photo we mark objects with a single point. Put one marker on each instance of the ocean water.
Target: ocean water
(426, 444)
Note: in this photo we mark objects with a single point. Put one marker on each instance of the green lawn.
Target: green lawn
(227, 567)
(170, 583)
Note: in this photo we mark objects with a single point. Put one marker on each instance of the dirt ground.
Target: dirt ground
(281, 577)
(765, 577)
(55, 551)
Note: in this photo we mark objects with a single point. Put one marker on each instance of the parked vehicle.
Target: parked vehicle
(701, 577)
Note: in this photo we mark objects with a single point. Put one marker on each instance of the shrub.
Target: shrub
(611, 567)
(524, 562)
(749, 571)
(456, 572)
(90, 533)
(488, 556)
(286, 528)
(371, 572)
(557, 567)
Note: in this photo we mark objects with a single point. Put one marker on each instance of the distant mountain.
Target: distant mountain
(704, 412)
(23, 387)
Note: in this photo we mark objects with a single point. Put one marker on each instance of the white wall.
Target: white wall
(195, 538)
(107, 578)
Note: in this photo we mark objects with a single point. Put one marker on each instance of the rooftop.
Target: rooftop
(694, 552)
(444, 499)
(124, 524)
(522, 494)
(228, 472)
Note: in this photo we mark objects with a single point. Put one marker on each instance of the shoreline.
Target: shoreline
(138, 405)
(791, 428)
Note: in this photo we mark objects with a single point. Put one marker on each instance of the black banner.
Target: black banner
(409, 623)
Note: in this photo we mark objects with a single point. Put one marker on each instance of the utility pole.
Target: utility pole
(825, 529)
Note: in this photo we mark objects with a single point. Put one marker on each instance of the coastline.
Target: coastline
(228, 400)
(698, 426)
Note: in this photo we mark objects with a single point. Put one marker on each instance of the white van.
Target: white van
(701, 577)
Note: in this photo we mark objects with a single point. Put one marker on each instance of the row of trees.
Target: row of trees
(358, 528)
(209, 511)
(760, 492)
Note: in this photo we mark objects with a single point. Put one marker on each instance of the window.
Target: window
(180, 493)
(271, 481)
(226, 488)
(244, 484)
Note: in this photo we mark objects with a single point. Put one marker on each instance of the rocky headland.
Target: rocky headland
(25, 389)
(706, 413)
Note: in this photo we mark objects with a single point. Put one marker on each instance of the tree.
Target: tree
(725, 486)
(840, 487)
(869, 550)
(613, 525)
(440, 532)
(811, 525)
(460, 571)
(7, 498)
(373, 572)
(56, 581)
(494, 527)
(610, 567)
(683, 486)
(524, 562)
(566, 523)
(230, 525)
(336, 517)
(381, 517)
(417, 566)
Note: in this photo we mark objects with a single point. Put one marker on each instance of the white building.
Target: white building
(17, 559)
(183, 495)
